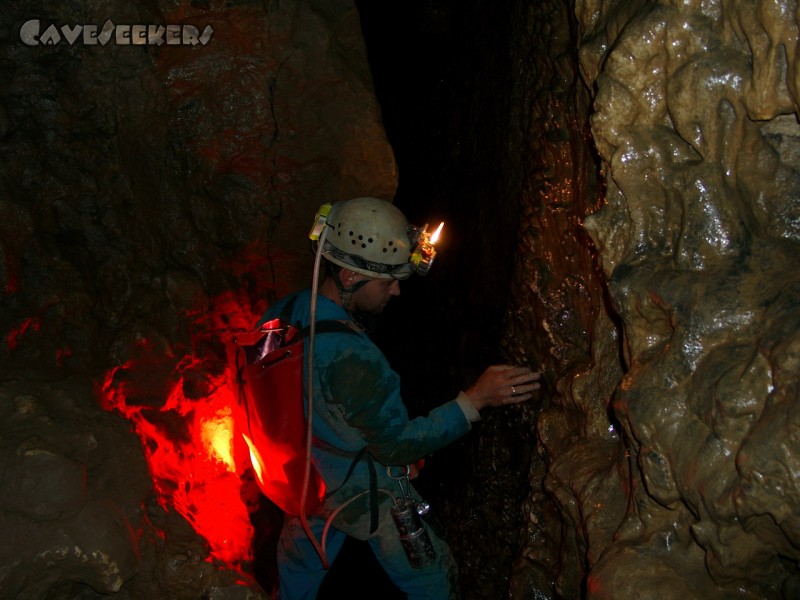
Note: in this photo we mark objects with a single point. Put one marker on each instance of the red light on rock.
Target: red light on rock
(185, 415)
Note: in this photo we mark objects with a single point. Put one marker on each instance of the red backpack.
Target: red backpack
(269, 373)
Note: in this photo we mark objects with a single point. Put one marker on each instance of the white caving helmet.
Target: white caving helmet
(370, 236)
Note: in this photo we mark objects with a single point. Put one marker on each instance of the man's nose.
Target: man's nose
(394, 290)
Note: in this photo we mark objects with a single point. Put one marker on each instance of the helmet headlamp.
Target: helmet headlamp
(424, 252)
(372, 237)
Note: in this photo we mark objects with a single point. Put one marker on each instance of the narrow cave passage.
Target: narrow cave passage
(445, 79)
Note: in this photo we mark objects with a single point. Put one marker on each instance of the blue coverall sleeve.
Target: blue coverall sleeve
(366, 391)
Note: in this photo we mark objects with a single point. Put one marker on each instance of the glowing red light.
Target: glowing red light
(195, 454)
(13, 337)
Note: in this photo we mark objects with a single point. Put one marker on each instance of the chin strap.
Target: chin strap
(345, 293)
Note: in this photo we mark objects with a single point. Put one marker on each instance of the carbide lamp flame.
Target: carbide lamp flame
(437, 233)
(424, 252)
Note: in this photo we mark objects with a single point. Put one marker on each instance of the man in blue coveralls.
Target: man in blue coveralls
(357, 406)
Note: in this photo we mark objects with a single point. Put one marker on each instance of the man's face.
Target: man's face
(375, 295)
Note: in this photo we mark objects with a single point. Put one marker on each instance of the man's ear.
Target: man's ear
(350, 278)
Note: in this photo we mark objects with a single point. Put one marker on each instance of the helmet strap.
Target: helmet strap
(346, 293)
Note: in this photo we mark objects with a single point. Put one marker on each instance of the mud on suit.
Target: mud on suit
(357, 406)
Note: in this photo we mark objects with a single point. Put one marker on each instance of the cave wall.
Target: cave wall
(667, 450)
(179, 162)
(517, 527)
(150, 195)
(654, 285)
(698, 239)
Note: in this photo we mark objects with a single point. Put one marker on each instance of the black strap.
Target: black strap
(325, 326)
(331, 326)
(373, 494)
(373, 486)
(353, 464)
(286, 311)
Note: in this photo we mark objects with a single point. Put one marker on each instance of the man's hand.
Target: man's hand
(501, 385)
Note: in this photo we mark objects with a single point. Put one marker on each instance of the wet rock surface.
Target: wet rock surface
(653, 285)
(697, 240)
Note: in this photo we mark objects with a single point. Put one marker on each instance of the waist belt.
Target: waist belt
(373, 476)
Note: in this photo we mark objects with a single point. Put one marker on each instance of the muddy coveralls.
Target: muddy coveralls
(357, 405)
